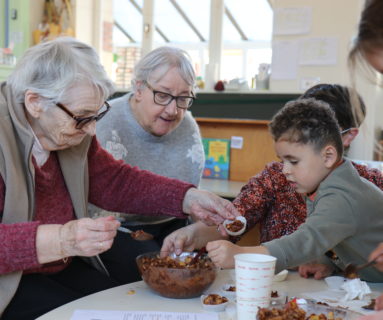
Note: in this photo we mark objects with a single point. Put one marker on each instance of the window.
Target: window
(247, 31)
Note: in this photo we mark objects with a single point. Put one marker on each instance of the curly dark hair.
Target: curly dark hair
(339, 99)
(307, 121)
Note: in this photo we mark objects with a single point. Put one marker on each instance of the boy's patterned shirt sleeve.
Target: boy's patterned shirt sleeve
(269, 199)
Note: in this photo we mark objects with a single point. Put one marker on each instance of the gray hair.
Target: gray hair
(50, 68)
(162, 60)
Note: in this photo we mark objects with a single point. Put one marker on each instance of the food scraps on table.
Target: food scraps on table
(231, 289)
(370, 306)
(274, 294)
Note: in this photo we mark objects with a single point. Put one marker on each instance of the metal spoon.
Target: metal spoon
(198, 255)
(139, 235)
(351, 270)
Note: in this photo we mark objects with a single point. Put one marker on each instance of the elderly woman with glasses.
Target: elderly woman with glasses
(153, 129)
(51, 166)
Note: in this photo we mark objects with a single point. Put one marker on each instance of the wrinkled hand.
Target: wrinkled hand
(379, 303)
(208, 207)
(378, 251)
(222, 252)
(317, 270)
(373, 316)
(88, 237)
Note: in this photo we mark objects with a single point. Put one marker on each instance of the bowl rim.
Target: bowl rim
(182, 254)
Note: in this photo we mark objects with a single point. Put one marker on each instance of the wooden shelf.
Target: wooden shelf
(258, 146)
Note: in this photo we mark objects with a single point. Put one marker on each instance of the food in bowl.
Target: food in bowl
(214, 302)
(214, 298)
(235, 227)
(289, 311)
(309, 310)
(174, 276)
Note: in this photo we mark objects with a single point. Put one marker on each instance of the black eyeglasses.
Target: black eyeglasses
(164, 99)
(81, 122)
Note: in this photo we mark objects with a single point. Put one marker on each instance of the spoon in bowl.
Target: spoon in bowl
(139, 235)
(351, 270)
(198, 255)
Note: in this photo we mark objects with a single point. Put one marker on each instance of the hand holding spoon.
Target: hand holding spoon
(351, 270)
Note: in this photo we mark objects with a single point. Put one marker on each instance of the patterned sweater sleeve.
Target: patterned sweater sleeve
(373, 175)
(256, 197)
(116, 186)
(17, 250)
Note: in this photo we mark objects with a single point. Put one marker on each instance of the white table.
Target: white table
(145, 300)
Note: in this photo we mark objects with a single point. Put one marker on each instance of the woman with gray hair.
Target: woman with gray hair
(153, 129)
(51, 166)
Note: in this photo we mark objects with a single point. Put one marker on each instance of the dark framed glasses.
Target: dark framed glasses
(164, 99)
(83, 121)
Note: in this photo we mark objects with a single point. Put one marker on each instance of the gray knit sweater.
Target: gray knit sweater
(346, 216)
(178, 154)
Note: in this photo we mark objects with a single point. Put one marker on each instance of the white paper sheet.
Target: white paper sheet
(140, 315)
(318, 51)
(292, 20)
(285, 60)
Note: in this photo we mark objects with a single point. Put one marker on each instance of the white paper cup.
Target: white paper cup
(254, 277)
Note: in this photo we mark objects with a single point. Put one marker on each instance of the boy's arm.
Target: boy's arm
(329, 225)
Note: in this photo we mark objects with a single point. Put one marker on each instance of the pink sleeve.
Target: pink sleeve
(17, 250)
(116, 186)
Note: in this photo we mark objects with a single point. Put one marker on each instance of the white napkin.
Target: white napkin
(281, 276)
(355, 289)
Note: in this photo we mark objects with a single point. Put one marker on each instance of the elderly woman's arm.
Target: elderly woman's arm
(84, 237)
(27, 245)
(116, 186)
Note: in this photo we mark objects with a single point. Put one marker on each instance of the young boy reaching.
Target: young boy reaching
(343, 209)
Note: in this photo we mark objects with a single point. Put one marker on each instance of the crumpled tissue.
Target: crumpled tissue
(355, 289)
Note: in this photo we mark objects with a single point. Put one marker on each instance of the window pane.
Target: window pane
(198, 11)
(255, 17)
(128, 17)
(172, 24)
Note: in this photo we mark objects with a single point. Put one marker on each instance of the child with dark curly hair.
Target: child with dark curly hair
(339, 202)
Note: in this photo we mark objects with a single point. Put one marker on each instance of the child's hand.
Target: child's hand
(374, 254)
(372, 316)
(317, 270)
(379, 302)
(222, 252)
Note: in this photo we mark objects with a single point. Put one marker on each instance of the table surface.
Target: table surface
(143, 299)
(223, 188)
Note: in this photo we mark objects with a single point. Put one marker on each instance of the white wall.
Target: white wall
(90, 16)
(336, 19)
